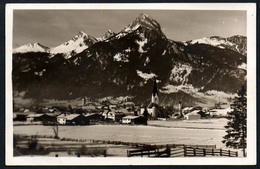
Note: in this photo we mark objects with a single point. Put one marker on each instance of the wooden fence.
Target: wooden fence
(177, 152)
(145, 145)
(181, 152)
(191, 152)
(150, 152)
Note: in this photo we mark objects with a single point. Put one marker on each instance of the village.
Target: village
(130, 130)
(89, 113)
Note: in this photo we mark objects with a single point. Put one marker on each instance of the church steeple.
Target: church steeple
(155, 97)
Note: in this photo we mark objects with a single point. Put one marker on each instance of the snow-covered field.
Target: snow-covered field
(211, 124)
(202, 132)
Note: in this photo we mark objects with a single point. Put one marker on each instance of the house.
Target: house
(44, 118)
(134, 120)
(20, 116)
(61, 119)
(94, 117)
(192, 116)
(115, 116)
(105, 114)
(220, 112)
(52, 118)
(112, 115)
(195, 114)
(72, 119)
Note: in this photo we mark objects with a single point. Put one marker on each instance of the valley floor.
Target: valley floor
(201, 132)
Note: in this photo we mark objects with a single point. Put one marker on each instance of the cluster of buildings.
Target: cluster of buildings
(105, 116)
(126, 113)
(85, 114)
(93, 113)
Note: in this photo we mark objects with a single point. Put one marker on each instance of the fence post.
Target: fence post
(212, 152)
(142, 153)
(220, 152)
(184, 150)
(194, 151)
(204, 151)
(168, 151)
(229, 153)
(236, 154)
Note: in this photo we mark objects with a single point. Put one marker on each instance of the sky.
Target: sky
(54, 27)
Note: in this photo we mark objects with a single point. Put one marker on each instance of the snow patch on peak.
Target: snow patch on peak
(214, 41)
(141, 45)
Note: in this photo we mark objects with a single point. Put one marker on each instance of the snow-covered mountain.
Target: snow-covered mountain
(70, 48)
(236, 43)
(31, 47)
(74, 46)
(124, 64)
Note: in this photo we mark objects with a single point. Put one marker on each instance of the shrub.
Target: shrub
(32, 143)
(93, 152)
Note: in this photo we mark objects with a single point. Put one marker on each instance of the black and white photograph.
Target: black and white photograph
(135, 84)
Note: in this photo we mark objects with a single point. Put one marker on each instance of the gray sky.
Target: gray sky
(53, 27)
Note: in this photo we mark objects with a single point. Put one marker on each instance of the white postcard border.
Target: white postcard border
(251, 88)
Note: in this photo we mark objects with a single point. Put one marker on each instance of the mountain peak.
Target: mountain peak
(81, 34)
(31, 47)
(145, 21)
(77, 44)
(143, 16)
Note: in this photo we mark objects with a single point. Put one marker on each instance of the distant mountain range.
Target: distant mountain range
(124, 64)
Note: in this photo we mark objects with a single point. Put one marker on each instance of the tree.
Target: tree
(56, 131)
(145, 113)
(237, 123)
